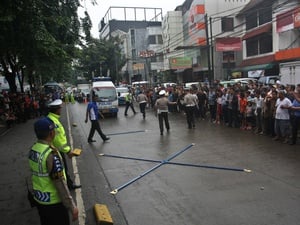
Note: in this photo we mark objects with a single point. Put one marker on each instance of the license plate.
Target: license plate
(105, 110)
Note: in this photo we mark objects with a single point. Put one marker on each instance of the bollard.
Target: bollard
(102, 215)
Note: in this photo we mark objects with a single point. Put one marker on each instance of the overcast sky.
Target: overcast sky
(97, 12)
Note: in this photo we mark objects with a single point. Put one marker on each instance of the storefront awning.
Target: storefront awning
(255, 67)
(260, 30)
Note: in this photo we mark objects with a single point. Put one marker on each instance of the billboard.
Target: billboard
(180, 63)
(228, 44)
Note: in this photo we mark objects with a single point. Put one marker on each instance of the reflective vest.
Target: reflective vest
(128, 97)
(60, 140)
(44, 190)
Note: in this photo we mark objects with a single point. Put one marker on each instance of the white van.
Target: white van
(107, 99)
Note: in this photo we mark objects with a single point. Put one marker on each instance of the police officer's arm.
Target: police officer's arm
(55, 169)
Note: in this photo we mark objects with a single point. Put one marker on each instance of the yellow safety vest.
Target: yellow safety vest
(60, 140)
(44, 190)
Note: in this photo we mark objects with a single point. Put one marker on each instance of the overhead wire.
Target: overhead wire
(235, 33)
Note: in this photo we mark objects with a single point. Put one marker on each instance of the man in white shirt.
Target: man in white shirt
(282, 117)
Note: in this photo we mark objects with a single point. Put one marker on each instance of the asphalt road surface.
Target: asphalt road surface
(175, 194)
(171, 194)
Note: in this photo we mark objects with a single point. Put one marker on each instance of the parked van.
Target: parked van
(267, 80)
(107, 99)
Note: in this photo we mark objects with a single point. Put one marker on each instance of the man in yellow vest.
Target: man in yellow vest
(129, 103)
(51, 194)
(60, 140)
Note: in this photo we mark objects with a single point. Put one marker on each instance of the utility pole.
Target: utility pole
(211, 47)
(208, 47)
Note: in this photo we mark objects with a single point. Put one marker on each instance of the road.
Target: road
(175, 194)
(171, 194)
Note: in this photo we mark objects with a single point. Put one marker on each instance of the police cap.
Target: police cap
(55, 104)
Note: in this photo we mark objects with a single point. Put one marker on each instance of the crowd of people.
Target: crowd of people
(19, 107)
(272, 110)
(267, 110)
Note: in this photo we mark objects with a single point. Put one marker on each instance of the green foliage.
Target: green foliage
(101, 58)
(40, 36)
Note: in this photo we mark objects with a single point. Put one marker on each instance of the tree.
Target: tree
(101, 58)
(39, 37)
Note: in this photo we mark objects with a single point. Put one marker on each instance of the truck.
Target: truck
(106, 97)
(290, 73)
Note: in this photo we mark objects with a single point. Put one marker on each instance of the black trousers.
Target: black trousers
(189, 110)
(69, 180)
(295, 127)
(163, 116)
(53, 214)
(143, 108)
(96, 127)
(129, 104)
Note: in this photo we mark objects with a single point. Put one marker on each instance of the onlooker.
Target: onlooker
(295, 120)
(282, 117)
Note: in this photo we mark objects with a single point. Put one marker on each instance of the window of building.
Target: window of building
(265, 15)
(259, 45)
(266, 44)
(228, 56)
(252, 47)
(159, 39)
(151, 39)
(227, 24)
(251, 20)
(260, 17)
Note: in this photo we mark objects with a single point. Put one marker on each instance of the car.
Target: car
(228, 83)
(247, 79)
(268, 80)
(122, 92)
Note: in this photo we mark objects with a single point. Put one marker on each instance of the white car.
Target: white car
(122, 92)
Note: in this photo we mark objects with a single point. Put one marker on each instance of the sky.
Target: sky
(98, 11)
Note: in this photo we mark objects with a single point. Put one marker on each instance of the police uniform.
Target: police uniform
(161, 106)
(48, 177)
(128, 100)
(60, 141)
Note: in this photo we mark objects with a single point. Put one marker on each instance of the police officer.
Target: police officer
(60, 140)
(161, 107)
(51, 194)
(190, 102)
(142, 100)
(128, 100)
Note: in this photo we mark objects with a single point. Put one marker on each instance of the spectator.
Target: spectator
(282, 117)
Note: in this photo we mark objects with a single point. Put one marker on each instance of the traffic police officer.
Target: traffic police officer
(51, 194)
(60, 141)
(128, 100)
(161, 107)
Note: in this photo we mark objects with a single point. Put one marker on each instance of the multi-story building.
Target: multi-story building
(208, 48)
(140, 32)
(271, 36)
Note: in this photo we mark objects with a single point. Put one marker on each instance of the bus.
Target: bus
(106, 97)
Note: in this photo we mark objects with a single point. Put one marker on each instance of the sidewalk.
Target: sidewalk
(15, 144)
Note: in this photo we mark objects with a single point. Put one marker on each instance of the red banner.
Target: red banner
(228, 44)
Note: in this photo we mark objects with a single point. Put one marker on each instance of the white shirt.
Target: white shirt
(282, 114)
